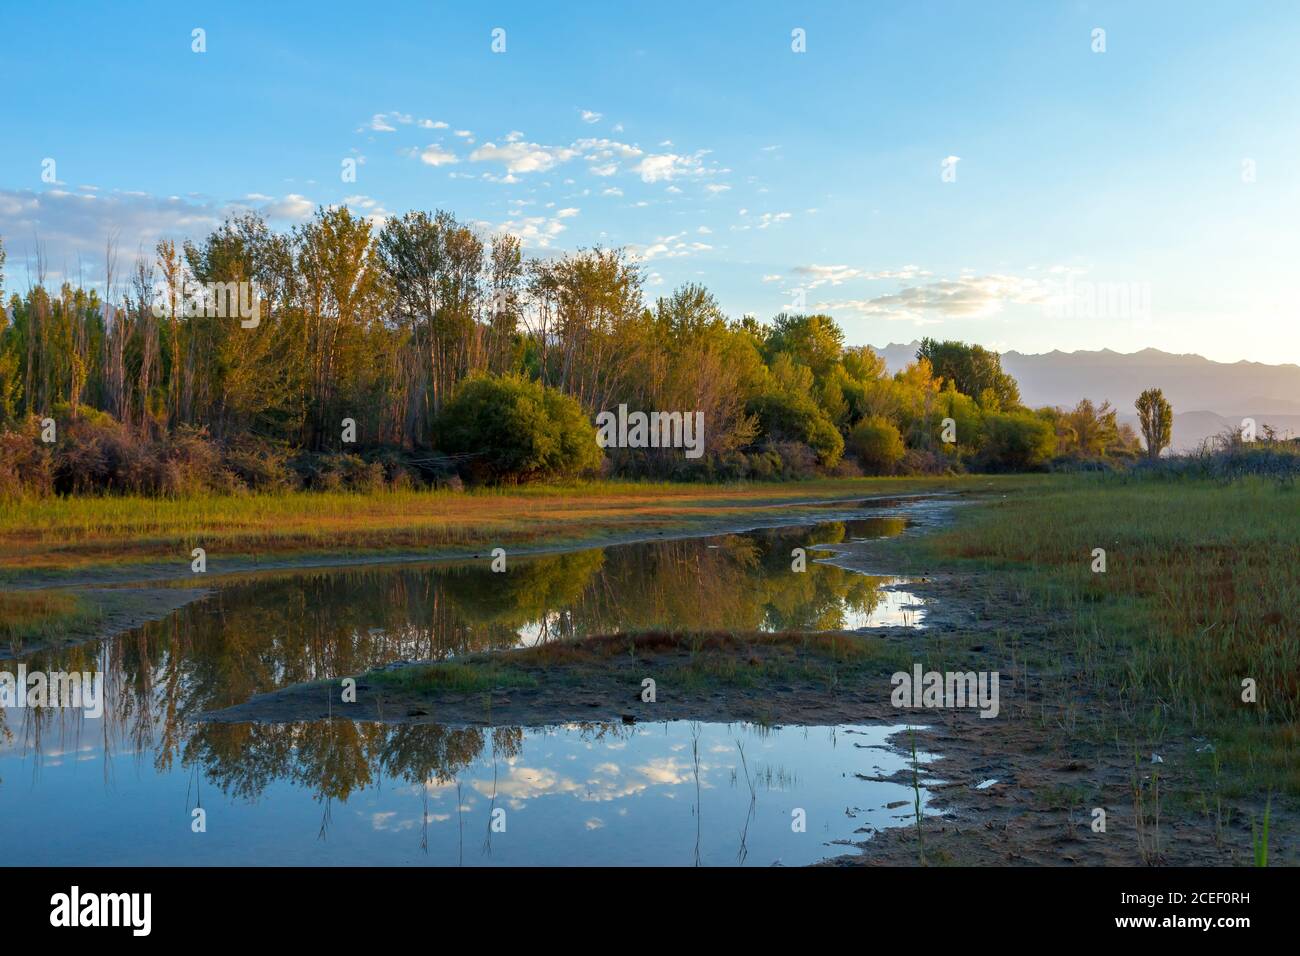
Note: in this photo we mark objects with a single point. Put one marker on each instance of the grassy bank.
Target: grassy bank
(1200, 592)
(35, 616)
(52, 535)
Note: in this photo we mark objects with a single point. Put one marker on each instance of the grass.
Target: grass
(78, 533)
(1199, 595)
(703, 660)
(453, 677)
(27, 616)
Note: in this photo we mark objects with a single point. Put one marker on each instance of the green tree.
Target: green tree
(1156, 419)
(974, 370)
(811, 340)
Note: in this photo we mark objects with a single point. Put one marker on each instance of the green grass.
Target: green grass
(694, 661)
(453, 677)
(1200, 592)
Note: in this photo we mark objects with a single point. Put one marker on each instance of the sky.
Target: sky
(997, 172)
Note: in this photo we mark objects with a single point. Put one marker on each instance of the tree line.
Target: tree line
(419, 350)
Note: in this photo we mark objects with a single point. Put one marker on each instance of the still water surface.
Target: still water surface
(122, 789)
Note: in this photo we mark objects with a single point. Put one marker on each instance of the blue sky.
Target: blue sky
(1142, 196)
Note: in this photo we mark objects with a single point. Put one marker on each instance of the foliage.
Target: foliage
(365, 334)
(877, 444)
(1016, 441)
(1156, 419)
(518, 429)
(973, 370)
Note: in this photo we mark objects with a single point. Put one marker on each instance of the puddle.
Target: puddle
(119, 790)
(343, 794)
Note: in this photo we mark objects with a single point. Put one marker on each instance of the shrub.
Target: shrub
(921, 461)
(796, 459)
(1016, 441)
(516, 429)
(877, 444)
(791, 417)
(261, 466)
(26, 465)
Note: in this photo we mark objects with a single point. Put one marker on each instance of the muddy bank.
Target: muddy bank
(1019, 789)
(114, 611)
(755, 678)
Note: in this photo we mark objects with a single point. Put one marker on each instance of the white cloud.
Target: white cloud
(292, 207)
(667, 247)
(972, 296)
(435, 155)
(521, 157)
(657, 167)
(534, 231)
(591, 117)
(820, 275)
(72, 228)
(378, 124)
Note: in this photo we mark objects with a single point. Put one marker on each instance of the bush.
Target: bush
(261, 466)
(797, 460)
(340, 472)
(26, 466)
(790, 417)
(95, 454)
(878, 444)
(1016, 441)
(515, 429)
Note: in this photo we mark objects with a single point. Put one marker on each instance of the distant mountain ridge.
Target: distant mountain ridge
(1207, 396)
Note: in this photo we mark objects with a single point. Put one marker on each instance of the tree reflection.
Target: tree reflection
(258, 634)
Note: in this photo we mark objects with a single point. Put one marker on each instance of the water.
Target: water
(122, 789)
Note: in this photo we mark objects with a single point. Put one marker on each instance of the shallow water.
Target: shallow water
(653, 794)
(122, 788)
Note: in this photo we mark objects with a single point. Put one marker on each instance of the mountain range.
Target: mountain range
(1207, 397)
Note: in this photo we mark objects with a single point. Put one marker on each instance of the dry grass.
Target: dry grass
(71, 533)
(26, 615)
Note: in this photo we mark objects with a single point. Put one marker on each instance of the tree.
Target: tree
(343, 287)
(974, 370)
(1156, 419)
(811, 340)
(1088, 430)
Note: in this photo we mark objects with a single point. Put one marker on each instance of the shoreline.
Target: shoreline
(132, 604)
